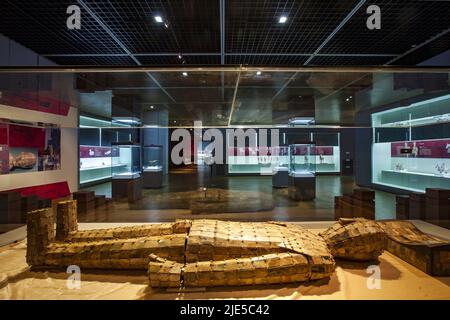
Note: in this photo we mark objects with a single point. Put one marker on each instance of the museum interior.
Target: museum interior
(225, 149)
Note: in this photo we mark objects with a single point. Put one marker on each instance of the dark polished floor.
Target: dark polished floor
(254, 196)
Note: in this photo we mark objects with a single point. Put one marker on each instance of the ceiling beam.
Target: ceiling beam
(323, 44)
(121, 45)
(318, 55)
(418, 46)
(172, 54)
(336, 30)
(222, 31)
(234, 98)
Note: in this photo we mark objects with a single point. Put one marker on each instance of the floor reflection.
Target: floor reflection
(244, 198)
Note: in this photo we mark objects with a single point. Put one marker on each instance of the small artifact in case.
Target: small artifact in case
(152, 170)
(302, 172)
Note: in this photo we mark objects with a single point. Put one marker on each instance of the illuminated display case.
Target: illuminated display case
(262, 160)
(302, 171)
(411, 148)
(152, 169)
(302, 160)
(95, 163)
(126, 161)
(256, 160)
(95, 151)
(126, 170)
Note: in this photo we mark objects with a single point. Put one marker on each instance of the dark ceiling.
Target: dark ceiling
(211, 32)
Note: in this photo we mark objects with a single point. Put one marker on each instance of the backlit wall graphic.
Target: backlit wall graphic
(26, 148)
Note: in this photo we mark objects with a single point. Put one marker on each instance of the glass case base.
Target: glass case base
(302, 188)
(126, 188)
(152, 179)
(280, 178)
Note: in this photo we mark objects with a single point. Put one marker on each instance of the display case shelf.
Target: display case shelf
(102, 167)
(409, 180)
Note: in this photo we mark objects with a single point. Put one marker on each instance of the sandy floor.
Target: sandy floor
(399, 280)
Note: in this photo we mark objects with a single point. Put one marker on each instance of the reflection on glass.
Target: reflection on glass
(152, 158)
(302, 160)
(126, 161)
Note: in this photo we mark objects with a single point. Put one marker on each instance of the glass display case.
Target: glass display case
(95, 164)
(302, 169)
(256, 160)
(327, 159)
(152, 169)
(126, 161)
(302, 160)
(327, 152)
(152, 158)
(411, 148)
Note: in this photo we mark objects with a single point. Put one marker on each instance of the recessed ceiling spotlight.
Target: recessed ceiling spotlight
(158, 19)
(174, 121)
(184, 74)
(347, 99)
(180, 56)
(152, 107)
(282, 19)
(258, 73)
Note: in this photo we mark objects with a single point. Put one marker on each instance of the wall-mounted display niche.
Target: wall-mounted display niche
(325, 155)
(97, 157)
(411, 148)
(28, 147)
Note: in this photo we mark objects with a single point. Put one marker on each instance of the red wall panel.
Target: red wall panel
(47, 191)
(3, 134)
(26, 137)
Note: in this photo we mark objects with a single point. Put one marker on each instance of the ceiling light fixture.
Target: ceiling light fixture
(180, 56)
(152, 107)
(166, 25)
(158, 19)
(282, 19)
(185, 74)
(258, 73)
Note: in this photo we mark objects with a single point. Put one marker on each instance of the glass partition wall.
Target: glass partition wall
(220, 134)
